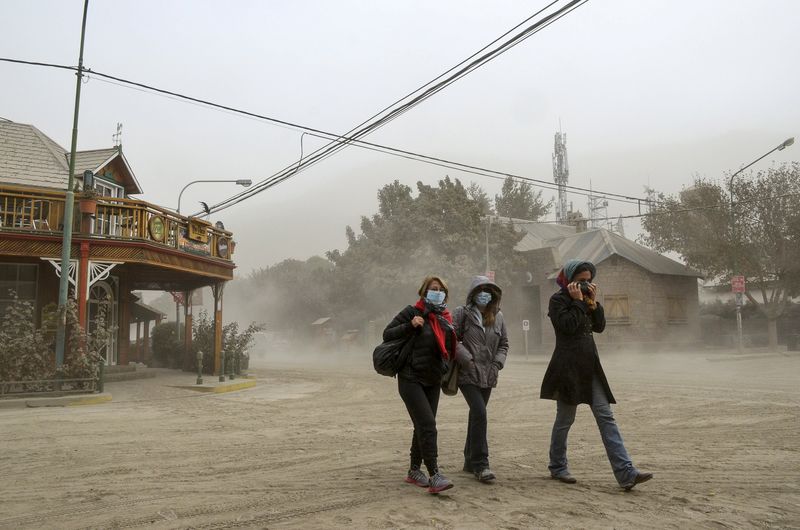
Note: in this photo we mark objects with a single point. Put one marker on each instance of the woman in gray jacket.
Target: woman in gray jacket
(481, 353)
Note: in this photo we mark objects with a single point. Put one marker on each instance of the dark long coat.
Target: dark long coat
(575, 360)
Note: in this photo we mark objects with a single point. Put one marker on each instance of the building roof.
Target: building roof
(540, 235)
(599, 244)
(595, 245)
(29, 157)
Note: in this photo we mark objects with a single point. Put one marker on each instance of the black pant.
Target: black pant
(421, 402)
(476, 449)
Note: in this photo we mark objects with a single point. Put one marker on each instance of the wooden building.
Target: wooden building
(120, 244)
(649, 299)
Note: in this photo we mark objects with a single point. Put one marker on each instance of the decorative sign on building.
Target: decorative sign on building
(198, 230)
(190, 245)
(223, 247)
(157, 228)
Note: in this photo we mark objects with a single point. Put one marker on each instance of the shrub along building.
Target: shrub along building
(648, 298)
(119, 244)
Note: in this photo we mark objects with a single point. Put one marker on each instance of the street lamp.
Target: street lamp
(783, 145)
(241, 182)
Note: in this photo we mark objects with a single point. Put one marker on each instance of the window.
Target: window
(617, 309)
(17, 280)
(676, 311)
(106, 189)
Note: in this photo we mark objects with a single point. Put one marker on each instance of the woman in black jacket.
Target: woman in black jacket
(575, 375)
(432, 340)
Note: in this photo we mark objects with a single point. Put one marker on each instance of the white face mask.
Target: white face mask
(482, 299)
(435, 297)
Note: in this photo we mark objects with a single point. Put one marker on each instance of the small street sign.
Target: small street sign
(739, 299)
(526, 325)
(490, 275)
(737, 284)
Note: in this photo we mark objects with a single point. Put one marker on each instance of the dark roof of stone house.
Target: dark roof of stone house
(595, 245)
(28, 157)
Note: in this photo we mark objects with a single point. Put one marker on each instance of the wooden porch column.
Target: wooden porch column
(83, 284)
(146, 348)
(125, 306)
(138, 338)
(218, 288)
(189, 360)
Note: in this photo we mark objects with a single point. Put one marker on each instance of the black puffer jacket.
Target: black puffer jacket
(425, 364)
(575, 360)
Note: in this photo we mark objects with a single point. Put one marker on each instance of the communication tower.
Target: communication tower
(561, 175)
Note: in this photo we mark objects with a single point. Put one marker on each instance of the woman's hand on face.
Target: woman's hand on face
(417, 321)
(593, 291)
(575, 291)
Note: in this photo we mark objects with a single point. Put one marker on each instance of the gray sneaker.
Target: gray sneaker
(417, 477)
(485, 475)
(439, 483)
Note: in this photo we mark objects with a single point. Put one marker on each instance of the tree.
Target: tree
(759, 238)
(518, 200)
(287, 296)
(441, 230)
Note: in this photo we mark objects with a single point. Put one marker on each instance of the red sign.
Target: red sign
(490, 275)
(737, 284)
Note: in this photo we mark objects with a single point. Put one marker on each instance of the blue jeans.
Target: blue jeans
(624, 471)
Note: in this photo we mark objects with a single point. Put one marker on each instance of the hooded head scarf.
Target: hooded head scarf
(571, 268)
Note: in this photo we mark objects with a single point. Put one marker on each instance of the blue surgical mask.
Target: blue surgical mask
(435, 297)
(483, 298)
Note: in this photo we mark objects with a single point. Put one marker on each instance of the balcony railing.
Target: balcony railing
(41, 211)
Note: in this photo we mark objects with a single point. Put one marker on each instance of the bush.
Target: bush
(235, 343)
(28, 353)
(167, 346)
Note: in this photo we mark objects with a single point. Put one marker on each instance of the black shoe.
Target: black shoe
(638, 479)
(485, 475)
(566, 478)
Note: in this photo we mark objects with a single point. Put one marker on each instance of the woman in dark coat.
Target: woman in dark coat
(432, 342)
(575, 375)
(481, 354)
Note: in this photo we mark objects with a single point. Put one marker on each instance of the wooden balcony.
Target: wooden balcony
(35, 211)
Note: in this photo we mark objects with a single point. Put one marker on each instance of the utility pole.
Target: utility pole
(66, 242)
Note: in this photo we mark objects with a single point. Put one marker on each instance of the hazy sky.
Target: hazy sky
(648, 92)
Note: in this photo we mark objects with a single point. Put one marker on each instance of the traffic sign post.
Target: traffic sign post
(526, 326)
(738, 289)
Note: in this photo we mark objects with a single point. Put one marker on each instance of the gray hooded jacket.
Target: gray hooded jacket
(481, 353)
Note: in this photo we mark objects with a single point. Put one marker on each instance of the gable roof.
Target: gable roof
(29, 157)
(599, 244)
(595, 245)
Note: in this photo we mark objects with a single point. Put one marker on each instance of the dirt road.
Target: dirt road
(325, 445)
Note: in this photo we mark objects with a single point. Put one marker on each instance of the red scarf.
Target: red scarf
(436, 326)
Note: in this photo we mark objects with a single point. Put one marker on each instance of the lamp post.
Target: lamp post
(69, 204)
(241, 182)
(783, 145)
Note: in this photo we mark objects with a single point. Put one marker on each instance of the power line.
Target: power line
(338, 142)
(337, 139)
(667, 212)
(342, 142)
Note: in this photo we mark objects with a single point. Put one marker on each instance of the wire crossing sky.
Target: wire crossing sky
(650, 95)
